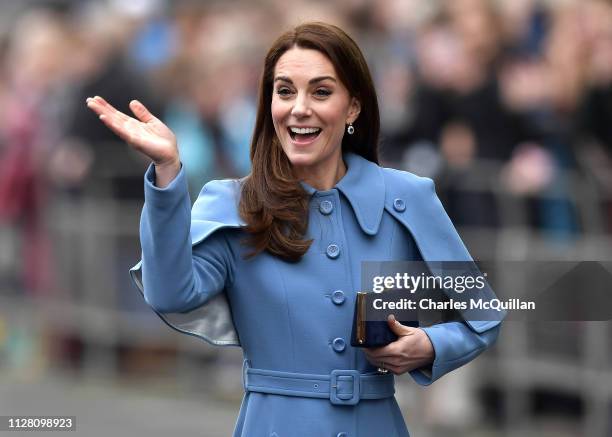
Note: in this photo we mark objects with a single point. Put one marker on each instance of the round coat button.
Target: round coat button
(338, 297)
(399, 205)
(326, 207)
(333, 251)
(342, 434)
(339, 344)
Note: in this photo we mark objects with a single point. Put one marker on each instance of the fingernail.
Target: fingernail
(391, 318)
(88, 99)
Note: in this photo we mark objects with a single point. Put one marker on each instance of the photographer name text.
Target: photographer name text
(452, 304)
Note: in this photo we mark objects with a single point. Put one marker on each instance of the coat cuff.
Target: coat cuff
(454, 346)
(164, 197)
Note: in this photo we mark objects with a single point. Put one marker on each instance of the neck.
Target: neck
(323, 178)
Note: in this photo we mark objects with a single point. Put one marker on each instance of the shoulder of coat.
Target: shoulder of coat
(399, 183)
(223, 187)
(218, 201)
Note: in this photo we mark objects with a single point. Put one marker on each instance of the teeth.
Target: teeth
(305, 130)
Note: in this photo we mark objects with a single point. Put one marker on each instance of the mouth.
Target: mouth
(304, 135)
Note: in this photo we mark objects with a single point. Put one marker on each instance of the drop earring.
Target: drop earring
(350, 129)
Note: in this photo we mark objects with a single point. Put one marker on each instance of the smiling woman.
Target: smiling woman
(310, 109)
(314, 76)
(314, 207)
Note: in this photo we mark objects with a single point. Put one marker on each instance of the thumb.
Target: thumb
(397, 328)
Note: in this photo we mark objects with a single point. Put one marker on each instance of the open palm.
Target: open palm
(146, 134)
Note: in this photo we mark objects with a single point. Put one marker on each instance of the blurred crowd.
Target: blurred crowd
(511, 96)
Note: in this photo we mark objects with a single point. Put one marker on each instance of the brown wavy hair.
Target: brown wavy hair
(273, 203)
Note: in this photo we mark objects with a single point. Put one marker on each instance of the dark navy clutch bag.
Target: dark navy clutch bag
(370, 328)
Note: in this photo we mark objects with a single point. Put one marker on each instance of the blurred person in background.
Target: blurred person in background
(314, 206)
(99, 64)
(205, 49)
(493, 89)
(459, 107)
(29, 133)
(595, 109)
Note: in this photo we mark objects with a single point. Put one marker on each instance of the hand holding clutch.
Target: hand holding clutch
(412, 350)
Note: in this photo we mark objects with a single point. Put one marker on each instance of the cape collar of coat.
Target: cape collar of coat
(370, 189)
(364, 187)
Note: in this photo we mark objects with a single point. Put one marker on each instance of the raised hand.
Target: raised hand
(146, 133)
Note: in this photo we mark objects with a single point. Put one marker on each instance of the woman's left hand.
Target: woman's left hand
(412, 350)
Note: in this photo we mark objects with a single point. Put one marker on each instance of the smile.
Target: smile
(303, 135)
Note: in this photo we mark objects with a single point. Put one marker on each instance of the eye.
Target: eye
(283, 91)
(323, 92)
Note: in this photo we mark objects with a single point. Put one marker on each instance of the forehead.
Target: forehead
(298, 61)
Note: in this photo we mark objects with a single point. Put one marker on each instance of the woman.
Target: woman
(279, 252)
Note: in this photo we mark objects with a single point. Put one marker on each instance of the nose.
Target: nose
(301, 108)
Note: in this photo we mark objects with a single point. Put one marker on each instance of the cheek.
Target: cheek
(335, 122)
(335, 115)
(278, 111)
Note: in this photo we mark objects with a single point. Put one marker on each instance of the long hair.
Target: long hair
(273, 203)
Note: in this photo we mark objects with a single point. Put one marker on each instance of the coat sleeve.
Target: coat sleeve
(458, 342)
(186, 262)
(455, 344)
(175, 277)
(436, 238)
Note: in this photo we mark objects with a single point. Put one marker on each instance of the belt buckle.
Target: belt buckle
(344, 398)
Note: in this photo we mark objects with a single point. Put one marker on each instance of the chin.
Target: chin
(301, 158)
(310, 156)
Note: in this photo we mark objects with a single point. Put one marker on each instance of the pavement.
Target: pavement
(103, 409)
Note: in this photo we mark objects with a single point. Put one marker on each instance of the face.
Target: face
(310, 110)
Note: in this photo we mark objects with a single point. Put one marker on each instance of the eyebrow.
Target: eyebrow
(310, 82)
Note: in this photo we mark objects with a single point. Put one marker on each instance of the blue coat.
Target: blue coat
(295, 318)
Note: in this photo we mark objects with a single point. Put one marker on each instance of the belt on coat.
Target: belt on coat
(341, 387)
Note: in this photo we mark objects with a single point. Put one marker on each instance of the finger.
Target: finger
(100, 105)
(141, 112)
(377, 352)
(128, 131)
(96, 106)
(117, 127)
(105, 104)
(397, 328)
(105, 108)
(386, 359)
(389, 365)
(397, 370)
(121, 116)
(378, 363)
(393, 360)
(101, 110)
(381, 354)
(122, 125)
(380, 349)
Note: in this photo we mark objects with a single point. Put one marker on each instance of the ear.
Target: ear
(354, 110)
